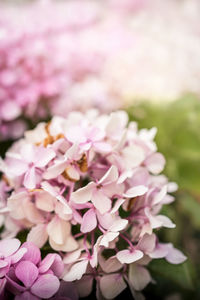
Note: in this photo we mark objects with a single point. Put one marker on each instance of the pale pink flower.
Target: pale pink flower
(97, 208)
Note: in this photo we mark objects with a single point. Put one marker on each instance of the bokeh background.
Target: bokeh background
(139, 55)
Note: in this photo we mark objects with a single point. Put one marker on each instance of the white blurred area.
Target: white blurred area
(164, 62)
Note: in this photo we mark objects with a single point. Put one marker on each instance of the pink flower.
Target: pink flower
(101, 192)
(32, 278)
(10, 253)
(96, 200)
(30, 160)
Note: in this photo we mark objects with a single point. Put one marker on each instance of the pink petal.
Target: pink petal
(138, 276)
(28, 152)
(166, 222)
(9, 246)
(136, 191)
(128, 257)
(110, 265)
(72, 257)
(107, 238)
(147, 243)
(118, 225)
(133, 156)
(30, 179)
(38, 235)
(26, 296)
(18, 255)
(76, 134)
(26, 272)
(32, 213)
(153, 220)
(76, 271)
(32, 254)
(70, 244)
(45, 286)
(110, 176)
(73, 173)
(160, 251)
(16, 166)
(102, 147)
(175, 256)
(84, 194)
(44, 156)
(89, 221)
(159, 196)
(155, 163)
(117, 205)
(44, 201)
(46, 186)
(56, 169)
(58, 229)
(112, 285)
(3, 263)
(53, 262)
(101, 201)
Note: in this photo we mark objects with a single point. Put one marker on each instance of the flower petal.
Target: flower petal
(84, 194)
(44, 156)
(101, 201)
(45, 286)
(128, 257)
(76, 271)
(175, 256)
(155, 163)
(89, 221)
(32, 254)
(136, 191)
(30, 179)
(138, 276)
(110, 176)
(53, 262)
(26, 296)
(56, 169)
(26, 272)
(112, 285)
(9, 246)
(18, 255)
(38, 235)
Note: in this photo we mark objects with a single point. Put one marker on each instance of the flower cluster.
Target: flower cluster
(23, 273)
(45, 64)
(89, 187)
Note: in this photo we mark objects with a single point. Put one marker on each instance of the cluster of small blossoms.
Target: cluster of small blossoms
(23, 275)
(89, 187)
(53, 52)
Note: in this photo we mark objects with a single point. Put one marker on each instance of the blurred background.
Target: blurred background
(138, 55)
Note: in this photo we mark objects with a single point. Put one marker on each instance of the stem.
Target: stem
(127, 240)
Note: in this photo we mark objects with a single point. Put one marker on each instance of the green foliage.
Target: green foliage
(178, 137)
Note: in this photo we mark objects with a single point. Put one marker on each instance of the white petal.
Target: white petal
(136, 191)
(128, 257)
(110, 176)
(76, 271)
(84, 194)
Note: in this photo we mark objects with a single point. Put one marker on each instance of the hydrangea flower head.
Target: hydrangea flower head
(89, 186)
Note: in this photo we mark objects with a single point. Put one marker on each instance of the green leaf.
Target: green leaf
(181, 275)
(191, 208)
